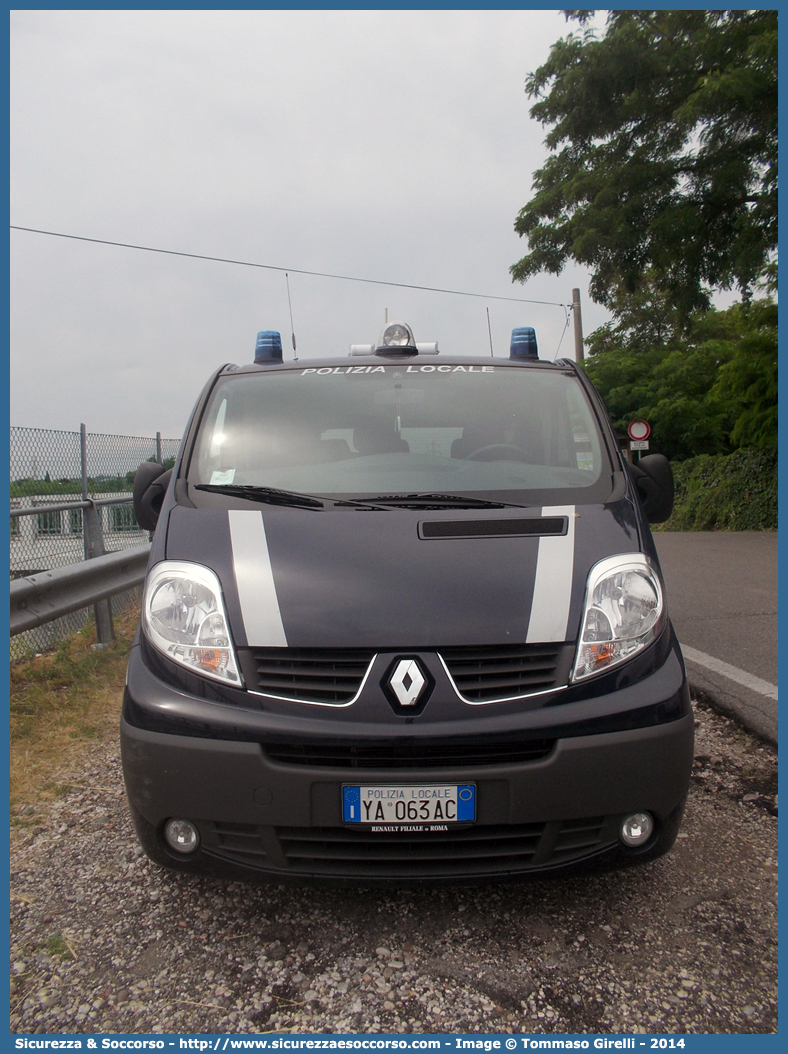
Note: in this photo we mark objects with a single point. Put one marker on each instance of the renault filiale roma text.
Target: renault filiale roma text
(404, 621)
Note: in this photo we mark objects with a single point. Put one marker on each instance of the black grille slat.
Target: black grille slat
(576, 835)
(518, 679)
(299, 667)
(485, 652)
(330, 849)
(384, 853)
(492, 672)
(341, 835)
(507, 667)
(312, 685)
(409, 755)
(237, 841)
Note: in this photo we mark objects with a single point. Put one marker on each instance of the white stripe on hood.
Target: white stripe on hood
(254, 580)
(555, 565)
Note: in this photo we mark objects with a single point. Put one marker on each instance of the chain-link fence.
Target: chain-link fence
(70, 499)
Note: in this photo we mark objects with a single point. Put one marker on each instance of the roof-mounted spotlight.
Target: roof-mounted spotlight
(397, 338)
(268, 347)
(523, 345)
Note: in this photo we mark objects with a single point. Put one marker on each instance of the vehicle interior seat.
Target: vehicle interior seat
(373, 438)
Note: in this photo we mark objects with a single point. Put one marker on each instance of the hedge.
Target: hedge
(733, 492)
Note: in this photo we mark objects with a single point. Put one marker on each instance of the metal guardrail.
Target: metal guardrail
(71, 500)
(60, 506)
(44, 597)
(92, 543)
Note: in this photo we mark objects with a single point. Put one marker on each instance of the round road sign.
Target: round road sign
(639, 430)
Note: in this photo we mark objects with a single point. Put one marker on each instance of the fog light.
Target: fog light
(637, 828)
(181, 835)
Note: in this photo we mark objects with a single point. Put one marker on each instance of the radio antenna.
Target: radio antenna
(489, 330)
(292, 327)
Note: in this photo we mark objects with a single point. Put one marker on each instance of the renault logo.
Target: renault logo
(407, 682)
(408, 685)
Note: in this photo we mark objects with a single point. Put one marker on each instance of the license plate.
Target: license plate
(420, 807)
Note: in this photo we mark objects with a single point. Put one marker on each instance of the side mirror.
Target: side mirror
(653, 478)
(150, 486)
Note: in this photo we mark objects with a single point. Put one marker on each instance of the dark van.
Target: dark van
(404, 620)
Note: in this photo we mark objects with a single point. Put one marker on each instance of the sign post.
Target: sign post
(639, 431)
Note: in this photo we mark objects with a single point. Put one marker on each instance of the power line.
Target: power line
(292, 270)
(563, 333)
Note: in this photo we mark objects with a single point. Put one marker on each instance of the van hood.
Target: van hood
(402, 578)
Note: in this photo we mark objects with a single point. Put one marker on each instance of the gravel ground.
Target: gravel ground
(104, 941)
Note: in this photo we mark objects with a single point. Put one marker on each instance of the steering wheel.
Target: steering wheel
(497, 446)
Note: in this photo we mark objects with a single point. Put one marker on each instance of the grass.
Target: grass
(58, 947)
(60, 702)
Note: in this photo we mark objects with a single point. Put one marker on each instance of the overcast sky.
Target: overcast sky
(387, 145)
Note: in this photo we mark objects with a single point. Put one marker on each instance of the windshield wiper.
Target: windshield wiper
(276, 496)
(294, 499)
(440, 501)
(269, 495)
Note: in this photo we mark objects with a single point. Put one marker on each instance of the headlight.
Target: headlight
(183, 616)
(623, 613)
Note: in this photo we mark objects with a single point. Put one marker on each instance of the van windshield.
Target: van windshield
(402, 429)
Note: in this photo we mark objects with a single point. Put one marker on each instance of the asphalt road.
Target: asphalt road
(722, 598)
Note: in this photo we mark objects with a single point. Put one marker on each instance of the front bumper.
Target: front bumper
(283, 819)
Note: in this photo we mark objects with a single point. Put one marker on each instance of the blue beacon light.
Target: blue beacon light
(523, 345)
(268, 347)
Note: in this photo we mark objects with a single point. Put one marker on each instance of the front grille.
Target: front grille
(474, 850)
(477, 850)
(238, 842)
(312, 675)
(481, 674)
(492, 849)
(485, 674)
(409, 754)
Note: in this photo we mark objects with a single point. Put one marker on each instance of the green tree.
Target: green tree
(748, 380)
(664, 140)
(709, 387)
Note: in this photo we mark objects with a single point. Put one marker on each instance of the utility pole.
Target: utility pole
(93, 542)
(578, 325)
